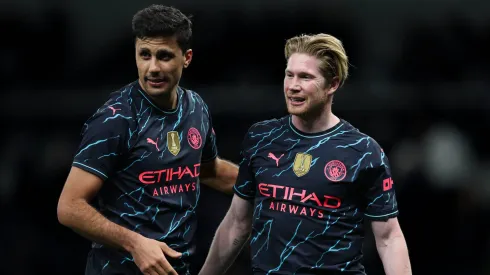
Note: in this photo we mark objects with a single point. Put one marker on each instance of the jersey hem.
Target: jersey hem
(210, 159)
(91, 170)
(241, 195)
(382, 217)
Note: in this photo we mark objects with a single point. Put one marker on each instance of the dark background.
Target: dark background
(419, 85)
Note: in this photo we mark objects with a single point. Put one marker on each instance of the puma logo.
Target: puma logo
(150, 141)
(272, 156)
(114, 110)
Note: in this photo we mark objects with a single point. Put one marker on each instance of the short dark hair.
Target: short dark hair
(162, 21)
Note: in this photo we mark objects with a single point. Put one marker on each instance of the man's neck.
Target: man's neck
(316, 123)
(165, 102)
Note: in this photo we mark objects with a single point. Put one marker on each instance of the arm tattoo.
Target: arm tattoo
(239, 240)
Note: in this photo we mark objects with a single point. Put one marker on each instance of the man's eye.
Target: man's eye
(164, 57)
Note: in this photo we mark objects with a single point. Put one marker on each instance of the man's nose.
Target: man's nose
(154, 66)
(294, 84)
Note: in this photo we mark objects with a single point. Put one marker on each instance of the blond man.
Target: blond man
(308, 181)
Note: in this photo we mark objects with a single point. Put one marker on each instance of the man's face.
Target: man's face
(160, 62)
(305, 88)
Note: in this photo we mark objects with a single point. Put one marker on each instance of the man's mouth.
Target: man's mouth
(156, 81)
(296, 100)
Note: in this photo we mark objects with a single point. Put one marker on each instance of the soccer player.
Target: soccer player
(308, 180)
(142, 155)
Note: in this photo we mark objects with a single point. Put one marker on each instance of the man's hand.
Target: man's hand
(149, 256)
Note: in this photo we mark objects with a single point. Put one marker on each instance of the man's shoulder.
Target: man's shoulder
(365, 147)
(355, 138)
(195, 101)
(118, 107)
(266, 127)
(124, 96)
(193, 96)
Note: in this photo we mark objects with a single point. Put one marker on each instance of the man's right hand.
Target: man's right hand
(149, 256)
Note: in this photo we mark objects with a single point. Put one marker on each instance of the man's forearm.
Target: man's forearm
(224, 177)
(394, 255)
(82, 218)
(227, 244)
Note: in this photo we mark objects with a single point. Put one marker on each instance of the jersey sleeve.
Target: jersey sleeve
(105, 138)
(210, 150)
(245, 186)
(380, 197)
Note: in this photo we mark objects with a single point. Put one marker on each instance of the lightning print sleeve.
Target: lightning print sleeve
(245, 186)
(210, 151)
(380, 196)
(104, 140)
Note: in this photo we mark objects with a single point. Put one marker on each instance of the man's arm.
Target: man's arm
(219, 174)
(75, 212)
(392, 247)
(104, 141)
(100, 137)
(230, 237)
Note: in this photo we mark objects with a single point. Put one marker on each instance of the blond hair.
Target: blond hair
(327, 48)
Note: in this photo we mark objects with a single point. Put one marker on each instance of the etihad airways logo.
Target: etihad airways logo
(168, 175)
(294, 195)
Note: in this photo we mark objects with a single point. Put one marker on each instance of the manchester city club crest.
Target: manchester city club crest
(173, 142)
(302, 164)
(335, 170)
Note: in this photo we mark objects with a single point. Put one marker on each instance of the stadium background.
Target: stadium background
(419, 84)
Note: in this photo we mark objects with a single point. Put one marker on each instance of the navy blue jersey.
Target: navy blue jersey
(311, 194)
(150, 162)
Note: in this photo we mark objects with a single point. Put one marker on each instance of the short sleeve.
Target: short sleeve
(245, 186)
(105, 138)
(380, 197)
(210, 150)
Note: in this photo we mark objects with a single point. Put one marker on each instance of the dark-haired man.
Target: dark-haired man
(142, 154)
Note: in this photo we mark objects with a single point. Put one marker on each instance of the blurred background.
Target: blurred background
(419, 85)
